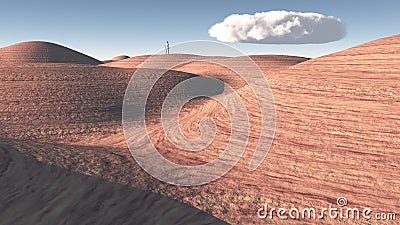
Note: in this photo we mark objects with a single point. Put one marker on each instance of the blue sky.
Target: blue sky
(104, 29)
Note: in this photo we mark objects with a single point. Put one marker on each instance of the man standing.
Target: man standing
(167, 48)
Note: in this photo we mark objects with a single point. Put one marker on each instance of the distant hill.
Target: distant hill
(116, 59)
(156, 60)
(43, 52)
(267, 62)
(120, 57)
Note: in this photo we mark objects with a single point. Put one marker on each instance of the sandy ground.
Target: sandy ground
(337, 131)
(36, 193)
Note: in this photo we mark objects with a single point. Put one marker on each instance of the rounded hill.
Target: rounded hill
(120, 57)
(43, 52)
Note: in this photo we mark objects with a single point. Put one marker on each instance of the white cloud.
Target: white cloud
(279, 27)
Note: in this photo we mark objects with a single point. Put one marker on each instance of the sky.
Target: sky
(104, 29)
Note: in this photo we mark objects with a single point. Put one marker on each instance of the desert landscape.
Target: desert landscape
(337, 134)
(49, 194)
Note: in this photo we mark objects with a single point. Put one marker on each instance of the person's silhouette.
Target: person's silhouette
(167, 48)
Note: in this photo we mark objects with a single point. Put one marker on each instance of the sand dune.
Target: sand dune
(120, 57)
(135, 62)
(132, 62)
(268, 64)
(337, 135)
(116, 58)
(36, 193)
(263, 61)
(337, 132)
(43, 52)
(59, 102)
(208, 65)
